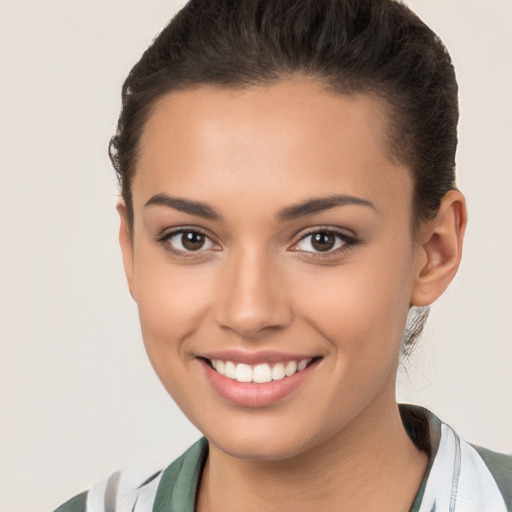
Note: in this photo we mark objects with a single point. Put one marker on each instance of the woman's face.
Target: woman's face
(271, 227)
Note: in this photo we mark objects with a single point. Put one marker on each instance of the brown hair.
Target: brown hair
(378, 47)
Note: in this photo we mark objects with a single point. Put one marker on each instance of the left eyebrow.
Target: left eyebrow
(318, 205)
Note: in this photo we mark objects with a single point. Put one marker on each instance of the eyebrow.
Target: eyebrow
(320, 204)
(309, 207)
(185, 205)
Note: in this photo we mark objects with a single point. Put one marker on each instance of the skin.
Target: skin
(259, 284)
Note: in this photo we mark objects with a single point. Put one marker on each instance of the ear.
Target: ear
(125, 241)
(440, 249)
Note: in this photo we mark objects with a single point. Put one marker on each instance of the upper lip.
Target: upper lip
(252, 358)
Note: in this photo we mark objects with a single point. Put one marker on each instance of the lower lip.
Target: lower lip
(253, 394)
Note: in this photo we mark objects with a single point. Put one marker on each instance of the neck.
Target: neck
(368, 466)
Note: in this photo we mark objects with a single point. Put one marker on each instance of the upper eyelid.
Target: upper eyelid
(340, 232)
(327, 229)
(348, 241)
(163, 237)
(169, 232)
(348, 236)
(308, 231)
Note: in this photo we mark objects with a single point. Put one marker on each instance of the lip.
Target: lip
(252, 394)
(252, 358)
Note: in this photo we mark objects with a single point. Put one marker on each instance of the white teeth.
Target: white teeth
(220, 366)
(278, 371)
(243, 373)
(259, 373)
(262, 373)
(230, 369)
(302, 364)
(290, 369)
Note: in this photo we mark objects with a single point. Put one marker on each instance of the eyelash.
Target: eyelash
(348, 241)
(165, 237)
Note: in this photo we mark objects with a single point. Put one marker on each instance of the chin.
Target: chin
(262, 442)
(256, 448)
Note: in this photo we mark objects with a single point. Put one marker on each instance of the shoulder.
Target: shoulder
(140, 487)
(120, 491)
(500, 466)
(460, 477)
(75, 504)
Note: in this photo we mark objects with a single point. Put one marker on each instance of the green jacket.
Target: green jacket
(459, 477)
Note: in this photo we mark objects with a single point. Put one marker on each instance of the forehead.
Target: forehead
(282, 140)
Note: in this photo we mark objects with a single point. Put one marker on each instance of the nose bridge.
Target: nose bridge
(251, 295)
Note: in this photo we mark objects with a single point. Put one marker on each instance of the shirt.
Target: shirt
(459, 477)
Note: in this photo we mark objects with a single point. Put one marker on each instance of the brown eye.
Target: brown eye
(323, 241)
(192, 240)
(186, 241)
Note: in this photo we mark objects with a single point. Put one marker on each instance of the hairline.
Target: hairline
(386, 111)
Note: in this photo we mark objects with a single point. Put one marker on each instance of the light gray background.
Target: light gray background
(78, 398)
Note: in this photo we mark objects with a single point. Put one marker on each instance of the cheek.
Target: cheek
(361, 308)
(171, 300)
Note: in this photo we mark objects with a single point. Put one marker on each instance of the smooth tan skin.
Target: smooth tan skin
(337, 442)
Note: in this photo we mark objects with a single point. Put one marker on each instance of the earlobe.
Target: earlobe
(440, 249)
(125, 241)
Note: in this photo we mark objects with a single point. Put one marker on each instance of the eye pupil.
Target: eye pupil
(192, 240)
(323, 241)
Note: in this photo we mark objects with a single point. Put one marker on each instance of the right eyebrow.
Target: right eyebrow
(185, 205)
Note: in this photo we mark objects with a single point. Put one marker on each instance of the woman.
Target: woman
(288, 202)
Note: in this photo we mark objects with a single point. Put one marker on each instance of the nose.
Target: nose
(252, 298)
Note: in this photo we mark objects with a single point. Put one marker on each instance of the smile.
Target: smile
(259, 373)
(256, 380)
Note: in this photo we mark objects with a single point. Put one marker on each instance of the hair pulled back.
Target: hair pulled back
(377, 47)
